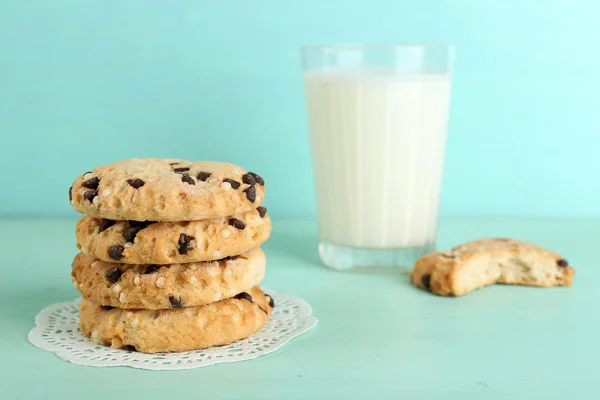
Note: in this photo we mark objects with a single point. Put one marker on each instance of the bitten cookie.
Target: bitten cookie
(155, 287)
(183, 329)
(134, 242)
(473, 265)
(159, 189)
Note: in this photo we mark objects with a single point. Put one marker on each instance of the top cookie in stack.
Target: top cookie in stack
(166, 190)
(177, 237)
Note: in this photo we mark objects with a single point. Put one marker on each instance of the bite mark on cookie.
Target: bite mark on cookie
(485, 262)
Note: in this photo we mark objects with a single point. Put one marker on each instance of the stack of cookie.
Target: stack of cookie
(170, 257)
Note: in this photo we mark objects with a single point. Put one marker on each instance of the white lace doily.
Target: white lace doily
(57, 330)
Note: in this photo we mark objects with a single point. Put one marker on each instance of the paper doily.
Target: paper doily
(57, 330)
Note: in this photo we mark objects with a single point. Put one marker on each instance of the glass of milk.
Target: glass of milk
(377, 119)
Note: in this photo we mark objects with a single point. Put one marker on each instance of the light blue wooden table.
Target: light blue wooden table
(377, 337)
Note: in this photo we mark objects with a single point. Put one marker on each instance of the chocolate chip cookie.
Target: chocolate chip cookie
(473, 265)
(155, 286)
(134, 242)
(160, 189)
(179, 329)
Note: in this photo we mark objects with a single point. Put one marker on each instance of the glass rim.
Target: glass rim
(375, 46)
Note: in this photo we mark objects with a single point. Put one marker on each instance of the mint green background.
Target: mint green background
(89, 82)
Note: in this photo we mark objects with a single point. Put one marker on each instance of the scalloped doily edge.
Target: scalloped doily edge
(35, 337)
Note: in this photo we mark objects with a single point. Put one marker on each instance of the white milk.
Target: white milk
(378, 141)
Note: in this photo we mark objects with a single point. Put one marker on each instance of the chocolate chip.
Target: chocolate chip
(203, 176)
(105, 224)
(150, 269)
(562, 263)
(262, 211)
(248, 179)
(230, 258)
(129, 348)
(136, 183)
(263, 310)
(244, 296)
(135, 227)
(173, 163)
(251, 193)
(175, 302)
(113, 275)
(85, 173)
(236, 223)
(257, 178)
(140, 223)
(106, 308)
(185, 243)
(426, 281)
(71, 193)
(90, 194)
(91, 183)
(181, 170)
(130, 233)
(188, 179)
(234, 184)
(271, 301)
(116, 251)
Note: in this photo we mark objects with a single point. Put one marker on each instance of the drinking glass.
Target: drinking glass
(378, 120)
